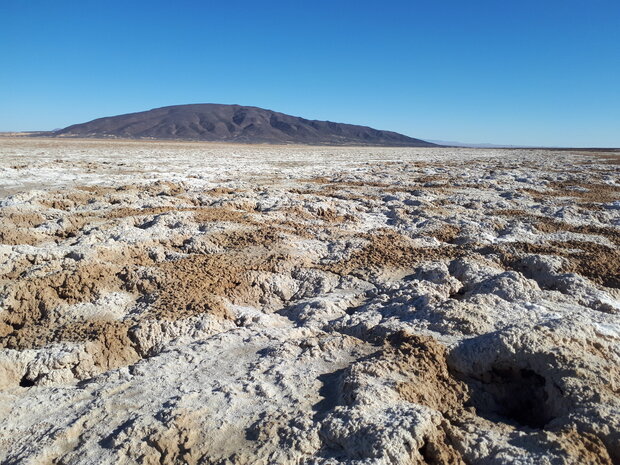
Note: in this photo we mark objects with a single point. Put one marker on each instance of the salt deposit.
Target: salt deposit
(228, 304)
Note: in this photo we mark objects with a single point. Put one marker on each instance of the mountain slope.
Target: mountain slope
(234, 123)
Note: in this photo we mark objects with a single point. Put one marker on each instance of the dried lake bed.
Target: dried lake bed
(177, 302)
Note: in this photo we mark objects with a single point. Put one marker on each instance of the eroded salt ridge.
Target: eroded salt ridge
(182, 303)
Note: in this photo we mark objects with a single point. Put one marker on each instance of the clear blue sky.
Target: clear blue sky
(544, 72)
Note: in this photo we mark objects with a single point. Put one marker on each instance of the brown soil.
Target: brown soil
(440, 447)
(594, 193)
(201, 214)
(30, 319)
(209, 215)
(326, 215)
(548, 225)
(220, 191)
(113, 349)
(31, 301)
(99, 190)
(21, 219)
(201, 283)
(423, 360)
(333, 186)
(15, 228)
(597, 262)
(68, 201)
(177, 289)
(584, 448)
(446, 233)
(125, 212)
(388, 250)
(14, 236)
(82, 195)
(265, 236)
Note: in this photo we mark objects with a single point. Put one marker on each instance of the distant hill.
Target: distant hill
(234, 123)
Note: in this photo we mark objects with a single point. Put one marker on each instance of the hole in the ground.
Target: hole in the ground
(25, 382)
(425, 452)
(352, 310)
(512, 395)
(459, 294)
(329, 391)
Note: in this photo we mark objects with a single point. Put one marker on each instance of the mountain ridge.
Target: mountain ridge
(234, 123)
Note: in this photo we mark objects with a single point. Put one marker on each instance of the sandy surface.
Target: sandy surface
(234, 304)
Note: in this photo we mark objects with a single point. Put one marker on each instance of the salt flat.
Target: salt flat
(240, 304)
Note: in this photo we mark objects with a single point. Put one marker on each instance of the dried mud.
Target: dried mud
(376, 306)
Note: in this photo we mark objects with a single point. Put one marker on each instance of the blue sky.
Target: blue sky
(542, 72)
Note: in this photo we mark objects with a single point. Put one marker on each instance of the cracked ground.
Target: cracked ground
(240, 304)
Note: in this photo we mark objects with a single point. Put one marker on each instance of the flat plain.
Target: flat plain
(176, 302)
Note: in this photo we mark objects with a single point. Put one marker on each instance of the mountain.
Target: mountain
(234, 123)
